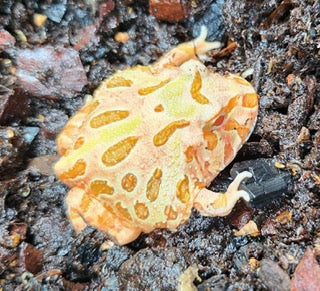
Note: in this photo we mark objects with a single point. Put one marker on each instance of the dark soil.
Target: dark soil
(278, 52)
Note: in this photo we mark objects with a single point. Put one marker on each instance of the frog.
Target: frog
(141, 153)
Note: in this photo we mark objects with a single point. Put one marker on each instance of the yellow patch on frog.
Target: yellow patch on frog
(129, 182)
(151, 89)
(106, 136)
(173, 97)
(141, 210)
(153, 185)
(220, 202)
(163, 135)
(98, 187)
(123, 211)
(118, 81)
(118, 152)
(108, 117)
(79, 142)
(170, 213)
(195, 89)
(78, 169)
(182, 190)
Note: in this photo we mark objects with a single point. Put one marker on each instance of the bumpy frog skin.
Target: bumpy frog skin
(139, 155)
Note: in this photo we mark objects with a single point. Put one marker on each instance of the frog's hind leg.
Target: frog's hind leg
(186, 51)
(210, 203)
(84, 210)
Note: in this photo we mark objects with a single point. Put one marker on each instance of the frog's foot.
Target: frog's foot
(218, 204)
(186, 51)
(85, 210)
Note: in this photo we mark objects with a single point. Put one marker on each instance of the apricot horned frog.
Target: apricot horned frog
(140, 154)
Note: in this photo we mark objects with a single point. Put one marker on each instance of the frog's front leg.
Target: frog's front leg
(210, 203)
(186, 51)
(84, 209)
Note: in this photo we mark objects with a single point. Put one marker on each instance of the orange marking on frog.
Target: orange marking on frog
(228, 151)
(118, 152)
(129, 182)
(151, 89)
(78, 169)
(189, 153)
(182, 190)
(123, 211)
(250, 100)
(242, 131)
(79, 142)
(195, 89)
(118, 81)
(98, 187)
(170, 213)
(141, 210)
(211, 138)
(108, 117)
(85, 203)
(231, 104)
(88, 108)
(153, 185)
(163, 135)
(159, 108)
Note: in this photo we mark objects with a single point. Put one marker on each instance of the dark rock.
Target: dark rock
(169, 10)
(241, 214)
(49, 72)
(269, 228)
(273, 276)
(54, 121)
(7, 256)
(13, 105)
(56, 12)
(14, 141)
(43, 164)
(307, 274)
(20, 229)
(6, 40)
(153, 269)
(212, 18)
(215, 283)
(116, 256)
(30, 258)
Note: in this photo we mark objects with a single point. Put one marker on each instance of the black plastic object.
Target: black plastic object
(267, 183)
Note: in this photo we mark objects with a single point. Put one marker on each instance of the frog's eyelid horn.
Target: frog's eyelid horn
(201, 46)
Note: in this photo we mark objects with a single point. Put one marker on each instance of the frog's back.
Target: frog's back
(148, 142)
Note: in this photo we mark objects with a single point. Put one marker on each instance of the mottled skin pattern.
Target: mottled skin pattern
(139, 155)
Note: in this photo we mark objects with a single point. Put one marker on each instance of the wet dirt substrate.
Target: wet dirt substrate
(278, 52)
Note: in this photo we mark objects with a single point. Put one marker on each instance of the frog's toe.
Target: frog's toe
(85, 210)
(210, 203)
